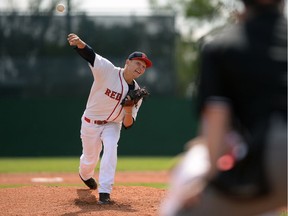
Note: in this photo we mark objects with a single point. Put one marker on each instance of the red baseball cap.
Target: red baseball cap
(140, 56)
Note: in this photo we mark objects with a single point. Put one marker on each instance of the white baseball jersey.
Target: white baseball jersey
(108, 90)
(104, 103)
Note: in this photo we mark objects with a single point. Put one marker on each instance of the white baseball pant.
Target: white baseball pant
(93, 136)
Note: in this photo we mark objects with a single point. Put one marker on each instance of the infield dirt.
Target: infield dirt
(35, 199)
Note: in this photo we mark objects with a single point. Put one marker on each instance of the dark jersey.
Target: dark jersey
(246, 66)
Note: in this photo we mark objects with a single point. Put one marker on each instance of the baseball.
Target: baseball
(60, 7)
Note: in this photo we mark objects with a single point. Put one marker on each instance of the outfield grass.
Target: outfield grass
(70, 164)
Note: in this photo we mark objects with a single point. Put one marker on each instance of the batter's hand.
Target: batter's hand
(74, 40)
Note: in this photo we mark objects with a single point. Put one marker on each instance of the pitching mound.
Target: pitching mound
(52, 200)
(37, 199)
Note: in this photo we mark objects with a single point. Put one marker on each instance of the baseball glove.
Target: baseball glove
(133, 96)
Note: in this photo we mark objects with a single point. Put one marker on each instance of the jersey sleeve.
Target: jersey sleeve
(102, 68)
(87, 53)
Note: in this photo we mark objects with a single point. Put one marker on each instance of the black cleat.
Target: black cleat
(91, 183)
(104, 199)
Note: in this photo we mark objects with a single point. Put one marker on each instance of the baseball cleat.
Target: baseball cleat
(91, 183)
(104, 199)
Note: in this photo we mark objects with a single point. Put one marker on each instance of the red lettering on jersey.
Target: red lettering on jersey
(118, 96)
(108, 91)
(113, 94)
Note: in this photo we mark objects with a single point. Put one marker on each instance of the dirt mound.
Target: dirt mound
(36, 198)
(58, 200)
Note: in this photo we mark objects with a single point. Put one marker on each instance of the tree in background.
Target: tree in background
(195, 19)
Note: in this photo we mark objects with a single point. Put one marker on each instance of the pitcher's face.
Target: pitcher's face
(136, 67)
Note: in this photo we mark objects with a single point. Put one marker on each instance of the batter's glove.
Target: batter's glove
(133, 96)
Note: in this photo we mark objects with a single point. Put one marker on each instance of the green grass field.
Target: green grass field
(70, 164)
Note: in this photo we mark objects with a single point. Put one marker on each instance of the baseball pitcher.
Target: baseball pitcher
(114, 101)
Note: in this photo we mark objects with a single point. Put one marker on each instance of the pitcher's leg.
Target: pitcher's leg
(110, 137)
(91, 148)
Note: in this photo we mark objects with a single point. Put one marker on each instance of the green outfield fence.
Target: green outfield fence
(51, 127)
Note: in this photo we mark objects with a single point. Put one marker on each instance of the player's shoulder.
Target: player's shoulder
(102, 59)
(222, 39)
(105, 64)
